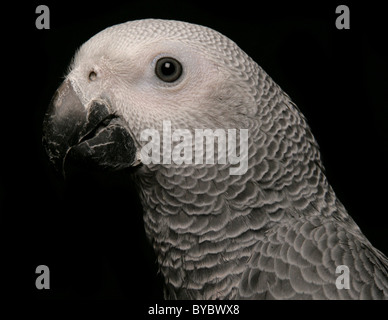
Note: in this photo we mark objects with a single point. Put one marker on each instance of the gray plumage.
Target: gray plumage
(276, 232)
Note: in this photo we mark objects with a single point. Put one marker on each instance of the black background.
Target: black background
(89, 229)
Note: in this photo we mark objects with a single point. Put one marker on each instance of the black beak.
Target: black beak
(93, 135)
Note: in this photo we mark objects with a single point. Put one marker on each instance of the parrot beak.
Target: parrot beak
(93, 135)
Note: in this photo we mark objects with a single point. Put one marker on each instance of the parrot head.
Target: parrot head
(132, 77)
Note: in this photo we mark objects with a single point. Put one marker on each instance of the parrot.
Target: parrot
(272, 228)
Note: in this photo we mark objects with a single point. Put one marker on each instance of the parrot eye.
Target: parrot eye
(168, 69)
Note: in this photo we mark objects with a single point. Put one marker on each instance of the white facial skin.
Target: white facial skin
(133, 89)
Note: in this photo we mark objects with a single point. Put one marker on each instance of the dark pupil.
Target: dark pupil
(168, 68)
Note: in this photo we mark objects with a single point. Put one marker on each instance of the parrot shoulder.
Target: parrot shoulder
(310, 258)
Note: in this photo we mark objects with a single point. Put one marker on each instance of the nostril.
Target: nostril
(92, 76)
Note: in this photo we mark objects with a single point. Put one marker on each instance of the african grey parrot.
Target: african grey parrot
(274, 231)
